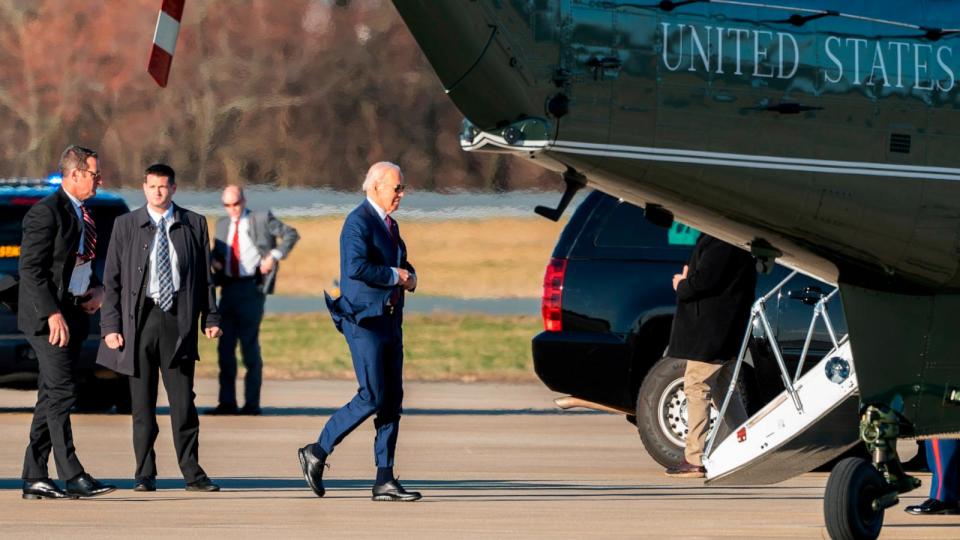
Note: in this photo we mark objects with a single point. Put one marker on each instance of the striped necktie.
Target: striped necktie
(89, 235)
(164, 273)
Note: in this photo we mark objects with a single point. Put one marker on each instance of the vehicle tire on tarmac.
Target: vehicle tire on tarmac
(662, 410)
(852, 487)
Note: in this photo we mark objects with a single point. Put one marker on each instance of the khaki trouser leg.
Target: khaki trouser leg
(706, 383)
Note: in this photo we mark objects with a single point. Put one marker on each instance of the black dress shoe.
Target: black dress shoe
(42, 489)
(223, 410)
(393, 491)
(312, 465)
(932, 507)
(147, 483)
(202, 485)
(84, 485)
(250, 411)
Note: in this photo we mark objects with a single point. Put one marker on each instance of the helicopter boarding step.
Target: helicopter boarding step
(789, 437)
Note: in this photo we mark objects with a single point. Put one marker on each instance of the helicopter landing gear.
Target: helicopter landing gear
(857, 491)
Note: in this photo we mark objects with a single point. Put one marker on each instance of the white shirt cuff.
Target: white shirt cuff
(396, 277)
(276, 254)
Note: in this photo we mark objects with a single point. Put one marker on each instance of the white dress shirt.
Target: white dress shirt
(249, 254)
(383, 221)
(153, 288)
(82, 270)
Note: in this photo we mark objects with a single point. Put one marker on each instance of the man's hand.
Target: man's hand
(677, 278)
(411, 282)
(266, 264)
(95, 300)
(114, 341)
(212, 332)
(59, 331)
(404, 275)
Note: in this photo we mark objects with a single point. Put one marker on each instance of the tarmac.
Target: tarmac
(492, 461)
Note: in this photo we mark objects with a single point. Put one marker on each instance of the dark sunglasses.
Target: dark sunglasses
(231, 205)
(399, 188)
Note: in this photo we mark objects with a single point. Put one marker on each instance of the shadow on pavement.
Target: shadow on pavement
(327, 411)
(516, 489)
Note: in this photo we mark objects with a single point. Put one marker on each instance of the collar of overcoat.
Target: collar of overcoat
(177, 235)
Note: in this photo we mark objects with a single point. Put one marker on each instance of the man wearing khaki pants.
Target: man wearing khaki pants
(714, 295)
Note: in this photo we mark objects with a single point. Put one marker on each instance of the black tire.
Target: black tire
(661, 410)
(657, 422)
(853, 485)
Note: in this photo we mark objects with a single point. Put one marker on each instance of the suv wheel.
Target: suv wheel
(662, 411)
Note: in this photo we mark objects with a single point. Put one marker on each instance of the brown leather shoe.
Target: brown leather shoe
(687, 470)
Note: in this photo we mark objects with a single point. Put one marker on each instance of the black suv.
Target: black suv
(99, 388)
(608, 305)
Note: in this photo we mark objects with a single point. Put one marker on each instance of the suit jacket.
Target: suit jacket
(264, 231)
(713, 303)
(48, 253)
(367, 254)
(127, 266)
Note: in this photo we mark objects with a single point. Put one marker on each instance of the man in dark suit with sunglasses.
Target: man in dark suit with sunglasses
(58, 293)
(374, 275)
(246, 259)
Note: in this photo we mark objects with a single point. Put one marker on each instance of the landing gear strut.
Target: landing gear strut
(857, 492)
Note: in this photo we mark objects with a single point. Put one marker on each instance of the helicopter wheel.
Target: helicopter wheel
(852, 488)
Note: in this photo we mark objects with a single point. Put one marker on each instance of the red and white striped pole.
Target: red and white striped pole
(165, 40)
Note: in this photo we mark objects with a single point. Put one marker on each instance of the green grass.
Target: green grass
(436, 347)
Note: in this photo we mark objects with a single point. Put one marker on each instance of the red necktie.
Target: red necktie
(235, 251)
(89, 235)
(394, 232)
(395, 235)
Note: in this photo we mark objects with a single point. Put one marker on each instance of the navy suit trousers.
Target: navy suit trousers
(943, 459)
(376, 345)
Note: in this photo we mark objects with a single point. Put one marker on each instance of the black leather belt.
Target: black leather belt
(257, 279)
(75, 301)
(150, 302)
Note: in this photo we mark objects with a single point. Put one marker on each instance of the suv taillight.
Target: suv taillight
(552, 295)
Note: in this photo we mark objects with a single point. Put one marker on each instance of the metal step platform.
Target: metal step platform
(814, 419)
(782, 441)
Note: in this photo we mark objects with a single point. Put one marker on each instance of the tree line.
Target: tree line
(298, 93)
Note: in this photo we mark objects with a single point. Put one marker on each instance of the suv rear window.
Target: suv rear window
(626, 226)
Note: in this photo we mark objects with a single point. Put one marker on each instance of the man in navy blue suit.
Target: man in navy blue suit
(943, 458)
(374, 275)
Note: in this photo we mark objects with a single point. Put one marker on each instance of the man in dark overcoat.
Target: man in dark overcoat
(714, 294)
(158, 292)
